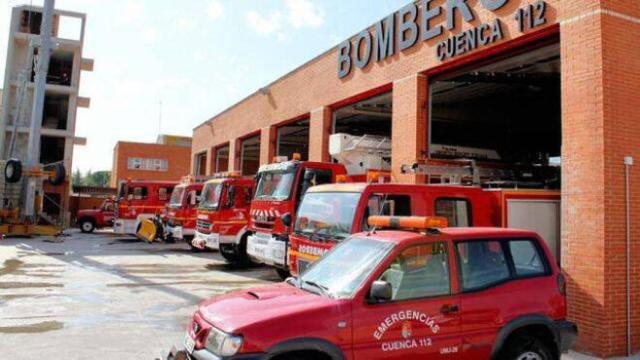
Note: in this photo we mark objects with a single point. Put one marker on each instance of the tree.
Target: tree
(90, 178)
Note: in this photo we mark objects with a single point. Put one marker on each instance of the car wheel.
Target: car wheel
(87, 226)
(528, 348)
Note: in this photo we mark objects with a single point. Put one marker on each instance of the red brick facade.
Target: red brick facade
(178, 160)
(600, 126)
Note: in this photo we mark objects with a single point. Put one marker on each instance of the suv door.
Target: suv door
(421, 320)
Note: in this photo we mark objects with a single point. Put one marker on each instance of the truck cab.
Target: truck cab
(223, 215)
(407, 289)
(102, 217)
(138, 200)
(181, 211)
(279, 190)
(330, 213)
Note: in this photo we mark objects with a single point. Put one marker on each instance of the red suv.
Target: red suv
(451, 293)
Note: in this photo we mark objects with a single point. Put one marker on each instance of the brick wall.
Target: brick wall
(178, 158)
(601, 124)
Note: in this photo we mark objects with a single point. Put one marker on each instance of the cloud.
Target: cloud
(131, 12)
(150, 35)
(297, 13)
(185, 25)
(215, 10)
(304, 13)
(266, 25)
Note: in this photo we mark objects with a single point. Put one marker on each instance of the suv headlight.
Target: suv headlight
(223, 344)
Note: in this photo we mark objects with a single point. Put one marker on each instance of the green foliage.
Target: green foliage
(90, 178)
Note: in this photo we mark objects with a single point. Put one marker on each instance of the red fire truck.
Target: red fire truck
(279, 189)
(138, 200)
(223, 215)
(330, 213)
(181, 216)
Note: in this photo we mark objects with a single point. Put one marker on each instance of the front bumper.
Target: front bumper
(566, 334)
(205, 354)
(267, 249)
(124, 227)
(211, 241)
(179, 232)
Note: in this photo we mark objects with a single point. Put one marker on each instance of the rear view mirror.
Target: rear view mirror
(380, 291)
(231, 197)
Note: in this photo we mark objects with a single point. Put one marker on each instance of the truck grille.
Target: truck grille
(204, 225)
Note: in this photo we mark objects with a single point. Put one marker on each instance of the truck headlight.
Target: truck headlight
(223, 344)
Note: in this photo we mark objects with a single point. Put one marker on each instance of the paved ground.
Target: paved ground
(104, 297)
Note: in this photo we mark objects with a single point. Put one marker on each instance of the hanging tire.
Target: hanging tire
(59, 174)
(13, 171)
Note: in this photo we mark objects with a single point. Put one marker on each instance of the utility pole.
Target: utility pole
(42, 67)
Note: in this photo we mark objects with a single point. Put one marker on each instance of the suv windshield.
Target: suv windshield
(275, 185)
(211, 195)
(343, 270)
(327, 214)
(176, 196)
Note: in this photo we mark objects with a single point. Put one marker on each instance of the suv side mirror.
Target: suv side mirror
(380, 291)
(231, 197)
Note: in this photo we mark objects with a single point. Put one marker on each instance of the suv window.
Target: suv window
(418, 272)
(386, 205)
(455, 210)
(482, 264)
(526, 258)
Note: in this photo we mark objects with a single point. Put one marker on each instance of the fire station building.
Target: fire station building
(511, 81)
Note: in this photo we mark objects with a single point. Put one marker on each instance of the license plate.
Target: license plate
(189, 343)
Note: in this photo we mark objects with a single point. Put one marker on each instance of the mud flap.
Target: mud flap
(149, 230)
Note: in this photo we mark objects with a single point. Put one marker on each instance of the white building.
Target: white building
(61, 96)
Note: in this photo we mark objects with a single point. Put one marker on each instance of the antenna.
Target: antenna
(160, 118)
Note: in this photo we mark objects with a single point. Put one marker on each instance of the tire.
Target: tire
(230, 254)
(527, 348)
(284, 274)
(59, 174)
(87, 226)
(13, 171)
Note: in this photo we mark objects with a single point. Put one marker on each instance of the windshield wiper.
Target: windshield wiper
(323, 289)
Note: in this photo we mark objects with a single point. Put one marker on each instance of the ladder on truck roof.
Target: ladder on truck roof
(486, 174)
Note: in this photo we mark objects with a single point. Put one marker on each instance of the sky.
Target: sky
(168, 65)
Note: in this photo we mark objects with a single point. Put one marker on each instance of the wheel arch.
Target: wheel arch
(306, 344)
(242, 233)
(519, 324)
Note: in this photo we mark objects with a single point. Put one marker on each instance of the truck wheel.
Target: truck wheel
(229, 253)
(528, 348)
(284, 274)
(87, 226)
(13, 171)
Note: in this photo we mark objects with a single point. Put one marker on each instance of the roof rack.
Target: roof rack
(486, 174)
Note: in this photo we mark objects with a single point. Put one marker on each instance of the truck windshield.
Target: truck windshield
(275, 185)
(176, 196)
(327, 215)
(343, 270)
(211, 195)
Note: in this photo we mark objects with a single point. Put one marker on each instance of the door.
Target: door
(421, 320)
(108, 213)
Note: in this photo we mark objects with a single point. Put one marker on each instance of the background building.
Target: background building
(61, 97)
(167, 159)
(517, 81)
